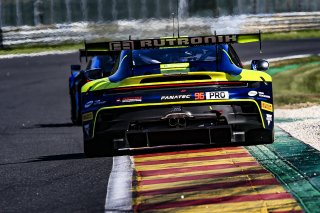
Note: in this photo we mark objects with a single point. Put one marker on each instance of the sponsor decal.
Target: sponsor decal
(266, 106)
(176, 97)
(199, 96)
(170, 42)
(131, 99)
(121, 45)
(261, 94)
(269, 118)
(88, 104)
(252, 93)
(217, 95)
(87, 116)
(99, 102)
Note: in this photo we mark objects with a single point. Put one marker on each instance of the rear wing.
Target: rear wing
(89, 53)
(110, 47)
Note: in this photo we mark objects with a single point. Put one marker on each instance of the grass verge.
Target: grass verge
(41, 48)
(291, 35)
(296, 81)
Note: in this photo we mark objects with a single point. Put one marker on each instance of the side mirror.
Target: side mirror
(94, 74)
(261, 65)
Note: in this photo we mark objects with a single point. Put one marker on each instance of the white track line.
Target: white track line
(292, 57)
(9, 56)
(119, 192)
(285, 58)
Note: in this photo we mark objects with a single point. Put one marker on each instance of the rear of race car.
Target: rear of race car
(177, 105)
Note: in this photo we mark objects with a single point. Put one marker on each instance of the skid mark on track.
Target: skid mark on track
(208, 180)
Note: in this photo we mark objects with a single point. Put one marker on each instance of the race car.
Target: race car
(98, 66)
(177, 91)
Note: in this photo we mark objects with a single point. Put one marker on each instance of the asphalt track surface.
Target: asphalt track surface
(42, 167)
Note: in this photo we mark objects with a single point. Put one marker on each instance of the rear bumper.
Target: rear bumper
(222, 135)
(209, 123)
(209, 135)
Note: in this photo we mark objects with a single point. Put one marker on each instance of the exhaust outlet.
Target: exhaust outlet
(177, 119)
(182, 122)
(173, 122)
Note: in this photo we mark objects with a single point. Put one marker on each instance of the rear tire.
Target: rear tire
(75, 115)
(98, 147)
(73, 110)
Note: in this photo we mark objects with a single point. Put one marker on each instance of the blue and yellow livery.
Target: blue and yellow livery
(173, 91)
(98, 66)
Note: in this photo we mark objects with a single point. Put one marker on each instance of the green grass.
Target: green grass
(291, 35)
(299, 83)
(41, 48)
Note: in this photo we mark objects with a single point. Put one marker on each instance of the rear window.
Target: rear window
(174, 55)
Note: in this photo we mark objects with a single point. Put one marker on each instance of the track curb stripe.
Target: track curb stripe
(221, 185)
(191, 173)
(195, 168)
(209, 180)
(227, 199)
(145, 156)
(290, 211)
(189, 164)
(211, 193)
(200, 158)
(205, 176)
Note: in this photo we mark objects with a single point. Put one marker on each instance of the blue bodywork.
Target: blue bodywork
(200, 58)
(98, 67)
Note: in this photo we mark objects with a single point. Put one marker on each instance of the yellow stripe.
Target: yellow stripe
(225, 52)
(204, 181)
(261, 206)
(248, 38)
(194, 163)
(237, 191)
(189, 155)
(245, 75)
(173, 175)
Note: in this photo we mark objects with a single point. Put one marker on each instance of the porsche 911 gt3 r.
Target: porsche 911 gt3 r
(172, 91)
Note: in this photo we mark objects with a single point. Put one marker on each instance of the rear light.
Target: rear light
(220, 83)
